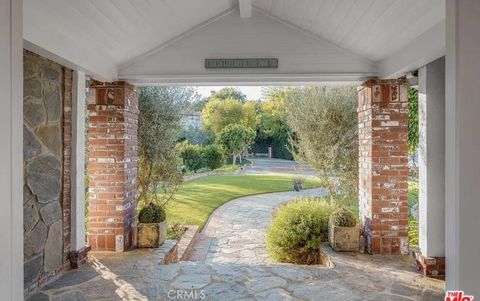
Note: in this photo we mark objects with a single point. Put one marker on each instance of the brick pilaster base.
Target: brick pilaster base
(433, 267)
(383, 165)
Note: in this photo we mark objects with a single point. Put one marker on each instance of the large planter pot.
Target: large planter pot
(151, 235)
(344, 239)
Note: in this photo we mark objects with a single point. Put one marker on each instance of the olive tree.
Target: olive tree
(236, 139)
(324, 125)
(159, 123)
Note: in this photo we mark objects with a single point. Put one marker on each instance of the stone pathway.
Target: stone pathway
(266, 166)
(236, 231)
(237, 268)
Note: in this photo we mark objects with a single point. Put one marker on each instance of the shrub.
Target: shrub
(298, 229)
(343, 217)
(151, 214)
(176, 231)
(412, 232)
(192, 156)
(212, 156)
(203, 169)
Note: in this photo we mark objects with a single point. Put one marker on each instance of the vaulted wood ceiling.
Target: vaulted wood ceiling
(371, 28)
(112, 33)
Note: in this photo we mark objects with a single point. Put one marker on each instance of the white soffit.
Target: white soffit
(302, 56)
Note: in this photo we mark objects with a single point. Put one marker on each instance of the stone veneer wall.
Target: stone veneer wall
(47, 149)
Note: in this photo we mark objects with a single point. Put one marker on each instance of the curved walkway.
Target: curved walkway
(237, 268)
(235, 232)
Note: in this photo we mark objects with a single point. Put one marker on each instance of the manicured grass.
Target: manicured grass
(198, 198)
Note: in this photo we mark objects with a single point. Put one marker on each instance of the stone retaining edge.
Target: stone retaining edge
(187, 241)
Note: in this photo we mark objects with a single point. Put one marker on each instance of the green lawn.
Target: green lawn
(198, 198)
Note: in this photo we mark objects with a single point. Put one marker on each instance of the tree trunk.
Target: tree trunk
(234, 159)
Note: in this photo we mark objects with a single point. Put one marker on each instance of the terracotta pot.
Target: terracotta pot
(151, 235)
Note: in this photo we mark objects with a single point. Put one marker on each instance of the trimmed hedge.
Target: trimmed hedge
(212, 156)
(298, 229)
(198, 157)
(191, 155)
(152, 214)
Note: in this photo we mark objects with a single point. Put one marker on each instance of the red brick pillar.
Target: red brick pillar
(112, 165)
(383, 195)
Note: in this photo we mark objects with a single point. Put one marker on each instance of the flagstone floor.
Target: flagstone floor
(231, 264)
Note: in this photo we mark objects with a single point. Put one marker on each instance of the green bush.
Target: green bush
(298, 229)
(176, 231)
(152, 214)
(343, 217)
(412, 232)
(203, 169)
(192, 156)
(213, 156)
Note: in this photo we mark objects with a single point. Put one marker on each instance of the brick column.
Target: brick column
(383, 174)
(112, 166)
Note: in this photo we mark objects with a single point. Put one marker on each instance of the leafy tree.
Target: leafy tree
(228, 93)
(413, 131)
(196, 135)
(273, 129)
(159, 175)
(218, 114)
(324, 134)
(235, 139)
(250, 114)
(197, 104)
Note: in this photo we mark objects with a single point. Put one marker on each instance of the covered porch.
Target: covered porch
(65, 60)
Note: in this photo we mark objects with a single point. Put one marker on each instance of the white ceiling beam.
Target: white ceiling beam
(426, 48)
(245, 8)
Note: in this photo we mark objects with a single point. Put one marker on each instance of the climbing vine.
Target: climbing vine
(413, 134)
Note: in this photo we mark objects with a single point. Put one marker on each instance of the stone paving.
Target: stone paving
(237, 268)
(236, 231)
(266, 166)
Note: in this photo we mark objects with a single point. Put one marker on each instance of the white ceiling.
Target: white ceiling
(373, 29)
(117, 30)
(107, 34)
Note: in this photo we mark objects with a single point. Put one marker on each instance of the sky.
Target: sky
(252, 92)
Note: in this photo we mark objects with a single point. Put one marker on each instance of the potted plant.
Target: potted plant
(152, 227)
(343, 230)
